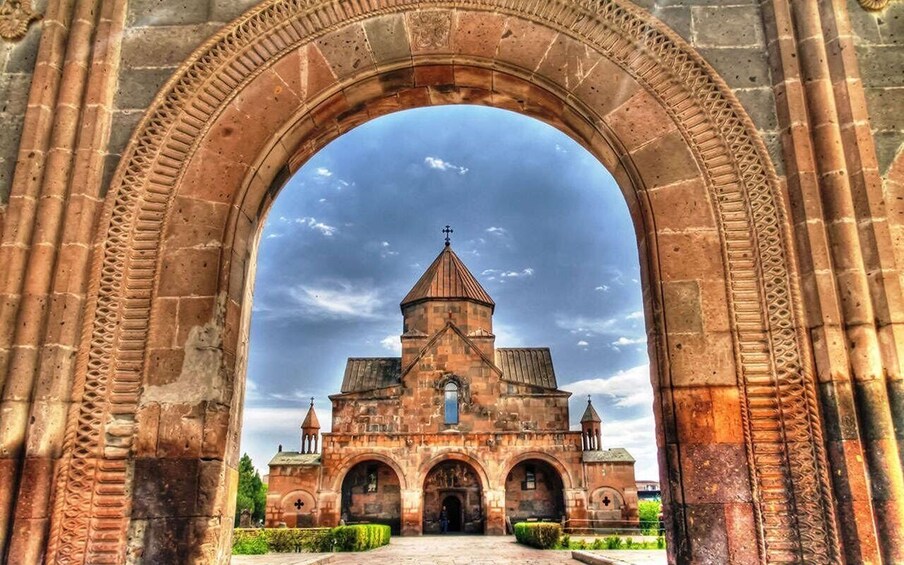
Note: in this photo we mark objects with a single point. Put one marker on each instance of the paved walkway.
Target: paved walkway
(622, 557)
(449, 550)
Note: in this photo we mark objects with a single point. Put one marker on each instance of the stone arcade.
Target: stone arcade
(758, 145)
(455, 423)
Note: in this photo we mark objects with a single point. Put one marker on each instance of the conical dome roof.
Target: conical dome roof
(311, 421)
(447, 278)
(590, 414)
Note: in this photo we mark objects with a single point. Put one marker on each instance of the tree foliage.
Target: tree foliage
(649, 511)
(252, 492)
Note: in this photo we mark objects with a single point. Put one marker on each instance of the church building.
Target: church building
(455, 423)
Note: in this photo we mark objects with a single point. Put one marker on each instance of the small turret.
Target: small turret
(591, 436)
(310, 431)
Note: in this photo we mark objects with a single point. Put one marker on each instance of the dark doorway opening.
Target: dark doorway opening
(453, 512)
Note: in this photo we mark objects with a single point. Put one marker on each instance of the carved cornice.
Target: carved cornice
(781, 422)
(15, 17)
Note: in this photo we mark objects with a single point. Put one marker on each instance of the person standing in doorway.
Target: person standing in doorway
(443, 521)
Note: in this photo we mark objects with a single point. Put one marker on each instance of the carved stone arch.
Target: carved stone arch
(349, 463)
(551, 460)
(183, 164)
(474, 463)
(599, 493)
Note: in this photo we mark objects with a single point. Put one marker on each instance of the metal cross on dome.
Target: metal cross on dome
(448, 231)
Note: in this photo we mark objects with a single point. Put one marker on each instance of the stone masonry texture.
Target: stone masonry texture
(758, 147)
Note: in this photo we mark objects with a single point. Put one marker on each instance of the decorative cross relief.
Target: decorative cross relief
(15, 17)
(431, 29)
(298, 504)
(606, 501)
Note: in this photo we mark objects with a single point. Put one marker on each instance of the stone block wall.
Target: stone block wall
(879, 40)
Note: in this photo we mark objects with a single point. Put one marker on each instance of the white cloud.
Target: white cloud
(274, 235)
(603, 288)
(582, 343)
(325, 229)
(392, 343)
(629, 341)
(638, 315)
(342, 301)
(497, 231)
(323, 172)
(500, 275)
(560, 149)
(628, 388)
(586, 326)
(506, 336)
(528, 272)
(441, 165)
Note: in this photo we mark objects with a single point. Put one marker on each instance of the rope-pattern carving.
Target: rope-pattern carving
(782, 428)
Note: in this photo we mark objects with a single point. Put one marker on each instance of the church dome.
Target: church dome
(447, 278)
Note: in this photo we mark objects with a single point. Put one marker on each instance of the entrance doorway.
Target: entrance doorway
(453, 513)
(455, 486)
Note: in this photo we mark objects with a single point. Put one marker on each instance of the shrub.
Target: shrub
(249, 542)
(318, 540)
(660, 542)
(613, 542)
(359, 537)
(541, 535)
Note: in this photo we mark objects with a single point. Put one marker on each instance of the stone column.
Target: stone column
(412, 512)
(328, 503)
(494, 518)
(868, 356)
(575, 506)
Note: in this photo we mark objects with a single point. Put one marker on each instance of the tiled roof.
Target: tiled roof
(311, 421)
(369, 373)
(614, 455)
(295, 458)
(447, 278)
(530, 366)
(590, 414)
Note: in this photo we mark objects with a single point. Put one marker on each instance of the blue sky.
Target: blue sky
(537, 219)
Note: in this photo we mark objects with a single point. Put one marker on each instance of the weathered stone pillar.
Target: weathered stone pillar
(576, 505)
(852, 252)
(328, 503)
(412, 512)
(494, 524)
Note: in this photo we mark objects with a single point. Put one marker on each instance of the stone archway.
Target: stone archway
(534, 491)
(454, 481)
(372, 493)
(732, 374)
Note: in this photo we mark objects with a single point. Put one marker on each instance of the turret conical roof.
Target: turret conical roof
(447, 278)
(311, 421)
(590, 414)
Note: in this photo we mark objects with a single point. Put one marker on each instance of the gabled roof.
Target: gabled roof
(614, 455)
(529, 366)
(369, 373)
(295, 458)
(590, 414)
(447, 278)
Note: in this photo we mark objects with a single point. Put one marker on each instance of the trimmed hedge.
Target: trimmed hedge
(542, 535)
(362, 537)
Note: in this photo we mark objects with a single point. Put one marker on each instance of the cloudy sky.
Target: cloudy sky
(537, 219)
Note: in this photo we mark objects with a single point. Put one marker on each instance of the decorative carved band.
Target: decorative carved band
(873, 5)
(15, 19)
(782, 429)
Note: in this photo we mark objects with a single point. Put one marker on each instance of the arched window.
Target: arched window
(451, 403)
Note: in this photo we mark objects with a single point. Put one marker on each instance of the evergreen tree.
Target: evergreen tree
(251, 493)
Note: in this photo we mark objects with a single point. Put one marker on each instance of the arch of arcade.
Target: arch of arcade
(752, 143)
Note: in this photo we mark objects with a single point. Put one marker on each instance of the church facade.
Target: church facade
(454, 424)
